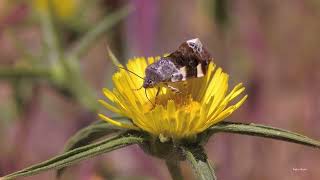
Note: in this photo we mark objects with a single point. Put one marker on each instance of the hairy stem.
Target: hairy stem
(174, 169)
(200, 164)
(15, 72)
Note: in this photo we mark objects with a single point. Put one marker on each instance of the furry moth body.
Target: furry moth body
(190, 60)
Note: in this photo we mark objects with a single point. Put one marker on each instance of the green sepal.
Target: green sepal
(168, 150)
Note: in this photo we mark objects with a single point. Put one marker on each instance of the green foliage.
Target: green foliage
(106, 24)
(263, 131)
(7, 73)
(78, 154)
(77, 148)
(88, 135)
(62, 68)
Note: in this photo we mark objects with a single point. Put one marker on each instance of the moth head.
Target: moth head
(152, 77)
(149, 82)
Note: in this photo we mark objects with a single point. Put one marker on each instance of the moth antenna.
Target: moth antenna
(138, 88)
(133, 74)
(130, 72)
(145, 92)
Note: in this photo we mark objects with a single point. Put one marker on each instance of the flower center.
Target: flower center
(182, 100)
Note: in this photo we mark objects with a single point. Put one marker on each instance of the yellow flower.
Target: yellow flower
(201, 103)
(63, 9)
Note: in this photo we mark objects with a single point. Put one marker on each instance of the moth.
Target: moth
(190, 60)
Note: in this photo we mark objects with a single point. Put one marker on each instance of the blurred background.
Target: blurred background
(54, 63)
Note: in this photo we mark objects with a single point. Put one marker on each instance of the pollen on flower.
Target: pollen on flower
(200, 103)
(181, 99)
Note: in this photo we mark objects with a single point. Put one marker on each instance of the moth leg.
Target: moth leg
(158, 92)
(173, 89)
(184, 84)
(153, 104)
(155, 98)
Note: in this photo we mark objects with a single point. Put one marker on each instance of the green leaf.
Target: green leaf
(78, 154)
(263, 131)
(107, 23)
(87, 135)
(199, 162)
(90, 133)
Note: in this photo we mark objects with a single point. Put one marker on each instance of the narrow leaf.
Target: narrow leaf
(91, 133)
(200, 164)
(264, 131)
(107, 23)
(87, 135)
(78, 154)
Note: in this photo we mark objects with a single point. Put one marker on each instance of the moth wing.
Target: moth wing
(183, 72)
(200, 72)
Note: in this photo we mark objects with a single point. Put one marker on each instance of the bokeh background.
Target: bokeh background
(271, 46)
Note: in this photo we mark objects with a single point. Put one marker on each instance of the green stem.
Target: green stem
(174, 169)
(9, 73)
(50, 37)
(107, 23)
(199, 162)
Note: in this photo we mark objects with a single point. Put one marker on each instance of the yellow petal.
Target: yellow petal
(117, 123)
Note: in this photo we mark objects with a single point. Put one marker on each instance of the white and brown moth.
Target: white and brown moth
(190, 60)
